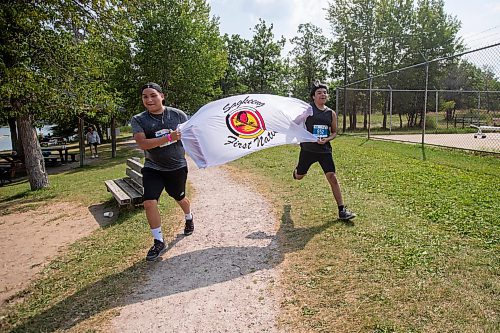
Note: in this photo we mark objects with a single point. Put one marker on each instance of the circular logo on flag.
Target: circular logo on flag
(245, 122)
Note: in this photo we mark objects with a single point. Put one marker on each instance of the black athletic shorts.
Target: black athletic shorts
(308, 158)
(174, 183)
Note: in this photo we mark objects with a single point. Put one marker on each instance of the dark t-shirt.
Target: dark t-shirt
(320, 125)
(169, 156)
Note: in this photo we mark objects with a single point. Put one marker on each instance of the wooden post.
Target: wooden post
(113, 136)
(81, 139)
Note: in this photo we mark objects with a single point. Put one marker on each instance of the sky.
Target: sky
(480, 18)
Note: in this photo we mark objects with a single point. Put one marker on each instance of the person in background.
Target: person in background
(321, 121)
(165, 168)
(93, 140)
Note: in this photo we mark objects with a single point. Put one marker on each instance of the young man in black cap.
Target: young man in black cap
(155, 131)
(322, 122)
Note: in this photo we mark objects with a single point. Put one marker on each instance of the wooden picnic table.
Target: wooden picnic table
(60, 151)
(10, 164)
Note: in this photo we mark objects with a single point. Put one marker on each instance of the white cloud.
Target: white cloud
(313, 12)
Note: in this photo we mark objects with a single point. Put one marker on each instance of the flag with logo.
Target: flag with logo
(229, 128)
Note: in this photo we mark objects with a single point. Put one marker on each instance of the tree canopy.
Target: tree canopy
(61, 61)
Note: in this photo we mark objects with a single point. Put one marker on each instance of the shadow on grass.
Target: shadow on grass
(18, 196)
(422, 148)
(204, 268)
(15, 181)
(98, 211)
(365, 141)
(21, 202)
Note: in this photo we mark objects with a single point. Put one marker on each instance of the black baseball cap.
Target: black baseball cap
(152, 85)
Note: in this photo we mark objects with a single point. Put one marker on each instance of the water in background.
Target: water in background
(6, 144)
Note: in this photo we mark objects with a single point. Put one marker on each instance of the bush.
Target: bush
(430, 122)
(126, 129)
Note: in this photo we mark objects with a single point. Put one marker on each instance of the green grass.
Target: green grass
(422, 255)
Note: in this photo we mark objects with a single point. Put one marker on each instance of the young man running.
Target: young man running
(155, 131)
(322, 122)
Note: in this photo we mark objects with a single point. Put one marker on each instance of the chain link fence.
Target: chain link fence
(452, 102)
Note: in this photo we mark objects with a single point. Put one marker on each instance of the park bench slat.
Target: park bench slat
(138, 188)
(128, 190)
(135, 176)
(120, 196)
(135, 165)
(131, 192)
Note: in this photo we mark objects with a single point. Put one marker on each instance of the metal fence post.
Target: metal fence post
(478, 107)
(337, 106)
(425, 101)
(390, 109)
(345, 90)
(370, 107)
(437, 108)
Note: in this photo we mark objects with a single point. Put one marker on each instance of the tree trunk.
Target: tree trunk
(113, 136)
(384, 111)
(365, 117)
(33, 159)
(81, 139)
(352, 118)
(13, 136)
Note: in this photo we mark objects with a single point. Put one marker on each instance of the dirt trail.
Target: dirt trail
(30, 240)
(220, 279)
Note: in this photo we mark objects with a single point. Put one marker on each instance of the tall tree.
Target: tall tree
(179, 46)
(353, 22)
(394, 20)
(264, 71)
(383, 35)
(51, 66)
(232, 83)
(310, 59)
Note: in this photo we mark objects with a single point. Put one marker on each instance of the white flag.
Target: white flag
(229, 128)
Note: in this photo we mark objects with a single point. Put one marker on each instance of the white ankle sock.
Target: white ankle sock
(157, 234)
(189, 216)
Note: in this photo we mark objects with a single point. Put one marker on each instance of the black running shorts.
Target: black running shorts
(308, 158)
(174, 183)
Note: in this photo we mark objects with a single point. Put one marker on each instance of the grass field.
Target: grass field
(422, 255)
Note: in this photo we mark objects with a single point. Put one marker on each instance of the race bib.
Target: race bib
(321, 131)
(163, 132)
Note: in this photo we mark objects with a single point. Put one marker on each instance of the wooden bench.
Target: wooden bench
(55, 155)
(128, 190)
(51, 161)
(10, 167)
(5, 174)
(468, 120)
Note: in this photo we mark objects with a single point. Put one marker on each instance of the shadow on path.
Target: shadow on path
(204, 268)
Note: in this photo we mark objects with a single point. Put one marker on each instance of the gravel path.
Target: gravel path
(463, 141)
(220, 279)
